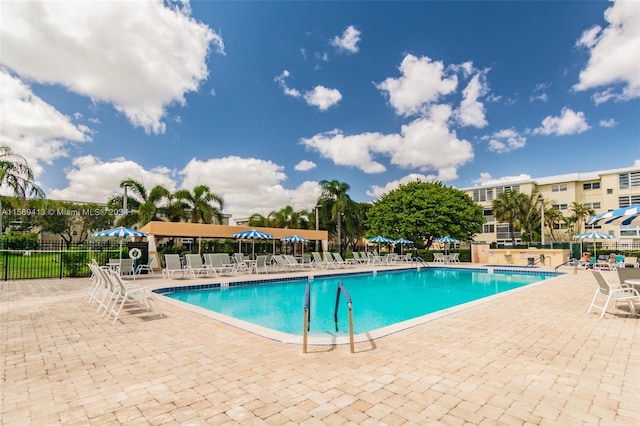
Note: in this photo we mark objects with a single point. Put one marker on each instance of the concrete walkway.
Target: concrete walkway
(532, 357)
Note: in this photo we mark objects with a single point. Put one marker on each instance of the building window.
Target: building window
(628, 200)
(629, 180)
(480, 195)
(558, 188)
(488, 229)
(594, 206)
(508, 188)
(561, 206)
(592, 185)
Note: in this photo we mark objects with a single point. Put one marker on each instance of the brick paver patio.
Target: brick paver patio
(532, 357)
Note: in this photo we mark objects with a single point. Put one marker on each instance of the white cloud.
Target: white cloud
(540, 92)
(348, 41)
(249, 185)
(91, 179)
(611, 122)
(425, 144)
(281, 80)
(505, 140)
(613, 54)
(378, 191)
(486, 179)
(32, 127)
(423, 82)
(569, 123)
(305, 165)
(322, 97)
(471, 111)
(138, 56)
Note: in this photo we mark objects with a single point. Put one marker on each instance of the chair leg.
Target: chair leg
(604, 309)
(593, 301)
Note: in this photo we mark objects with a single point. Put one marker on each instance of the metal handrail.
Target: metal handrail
(342, 289)
(307, 316)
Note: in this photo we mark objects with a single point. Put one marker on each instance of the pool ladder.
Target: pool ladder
(307, 318)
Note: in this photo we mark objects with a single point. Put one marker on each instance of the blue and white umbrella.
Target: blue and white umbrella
(625, 215)
(446, 239)
(295, 239)
(253, 235)
(594, 236)
(402, 241)
(380, 239)
(120, 232)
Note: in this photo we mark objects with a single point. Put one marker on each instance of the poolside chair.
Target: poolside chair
(147, 267)
(630, 262)
(439, 258)
(127, 269)
(318, 261)
(172, 265)
(454, 257)
(614, 292)
(124, 293)
(241, 262)
(341, 261)
(294, 264)
(261, 265)
(194, 265)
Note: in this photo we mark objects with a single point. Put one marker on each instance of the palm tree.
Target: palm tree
(580, 214)
(510, 207)
(199, 202)
(16, 174)
(145, 205)
(287, 217)
(257, 219)
(336, 205)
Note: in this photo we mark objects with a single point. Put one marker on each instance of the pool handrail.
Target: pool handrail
(421, 260)
(343, 290)
(307, 316)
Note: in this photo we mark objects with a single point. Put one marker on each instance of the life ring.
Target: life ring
(135, 253)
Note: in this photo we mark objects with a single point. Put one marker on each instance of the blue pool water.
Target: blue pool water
(378, 299)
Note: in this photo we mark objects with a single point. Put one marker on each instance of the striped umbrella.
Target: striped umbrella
(446, 240)
(120, 232)
(594, 236)
(253, 235)
(402, 241)
(380, 239)
(295, 239)
(625, 215)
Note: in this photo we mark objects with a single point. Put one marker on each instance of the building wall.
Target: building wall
(600, 190)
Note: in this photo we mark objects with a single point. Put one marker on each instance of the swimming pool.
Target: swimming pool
(379, 299)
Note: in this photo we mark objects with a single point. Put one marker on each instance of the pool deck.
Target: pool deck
(533, 356)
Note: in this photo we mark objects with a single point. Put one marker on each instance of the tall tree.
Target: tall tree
(579, 214)
(145, 205)
(199, 202)
(16, 174)
(423, 211)
(337, 209)
(511, 207)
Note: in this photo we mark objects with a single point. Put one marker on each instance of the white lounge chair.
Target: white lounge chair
(261, 265)
(124, 293)
(614, 292)
(172, 265)
(294, 264)
(318, 261)
(194, 265)
(147, 267)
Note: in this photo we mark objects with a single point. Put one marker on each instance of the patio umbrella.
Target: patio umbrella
(624, 215)
(380, 239)
(402, 241)
(594, 236)
(120, 232)
(295, 239)
(446, 240)
(253, 235)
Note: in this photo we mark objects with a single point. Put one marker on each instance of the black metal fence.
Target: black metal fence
(56, 260)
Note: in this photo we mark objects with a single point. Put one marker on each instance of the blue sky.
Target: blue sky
(262, 100)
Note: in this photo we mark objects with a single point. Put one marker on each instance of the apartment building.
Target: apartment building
(602, 191)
